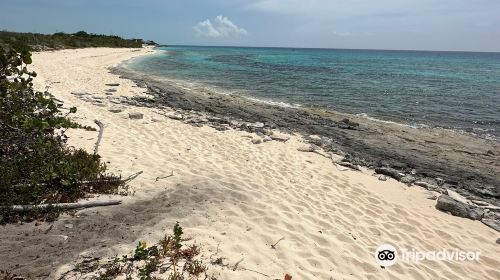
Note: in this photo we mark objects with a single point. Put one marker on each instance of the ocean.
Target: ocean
(455, 90)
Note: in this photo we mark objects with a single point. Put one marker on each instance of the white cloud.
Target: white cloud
(222, 27)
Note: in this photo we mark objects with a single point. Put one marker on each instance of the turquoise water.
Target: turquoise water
(456, 90)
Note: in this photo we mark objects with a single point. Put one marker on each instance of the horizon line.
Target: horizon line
(325, 48)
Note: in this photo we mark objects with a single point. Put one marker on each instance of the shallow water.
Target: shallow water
(457, 90)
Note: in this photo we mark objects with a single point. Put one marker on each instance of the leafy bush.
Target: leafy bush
(36, 165)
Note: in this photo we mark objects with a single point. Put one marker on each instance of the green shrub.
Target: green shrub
(36, 165)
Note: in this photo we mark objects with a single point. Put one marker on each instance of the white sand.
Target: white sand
(241, 197)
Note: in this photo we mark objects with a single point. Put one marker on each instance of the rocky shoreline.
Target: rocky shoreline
(436, 159)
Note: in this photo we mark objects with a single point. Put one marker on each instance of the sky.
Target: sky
(459, 25)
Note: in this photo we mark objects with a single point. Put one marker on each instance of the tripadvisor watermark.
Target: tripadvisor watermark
(387, 255)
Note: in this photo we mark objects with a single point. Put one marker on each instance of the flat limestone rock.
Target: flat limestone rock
(280, 137)
(256, 125)
(174, 116)
(306, 148)
(456, 196)
(315, 137)
(491, 208)
(480, 203)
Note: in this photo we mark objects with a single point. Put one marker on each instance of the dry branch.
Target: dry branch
(275, 244)
(67, 206)
(101, 131)
(164, 177)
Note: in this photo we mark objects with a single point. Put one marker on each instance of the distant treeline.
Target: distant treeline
(61, 40)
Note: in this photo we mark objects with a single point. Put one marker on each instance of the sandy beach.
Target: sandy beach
(232, 197)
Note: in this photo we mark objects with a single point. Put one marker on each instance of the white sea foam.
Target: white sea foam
(366, 116)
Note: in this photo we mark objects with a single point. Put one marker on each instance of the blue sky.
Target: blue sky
(472, 25)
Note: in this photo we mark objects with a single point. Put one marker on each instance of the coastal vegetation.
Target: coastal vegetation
(170, 258)
(61, 40)
(36, 164)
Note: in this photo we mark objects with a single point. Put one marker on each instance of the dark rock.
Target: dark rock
(115, 109)
(347, 124)
(135, 116)
(218, 120)
(427, 186)
(498, 241)
(408, 179)
(494, 224)
(349, 165)
(389, 172)
(110, 90)
(141, 84)
(456, 208)
(113, 85)
(78, 93)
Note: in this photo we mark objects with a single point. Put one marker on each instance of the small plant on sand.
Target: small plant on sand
(36, 164)
(168, 259)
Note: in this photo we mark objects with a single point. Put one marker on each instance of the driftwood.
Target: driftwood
(131, 177)
(67, 206)
(164, 177)
(99, 137)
